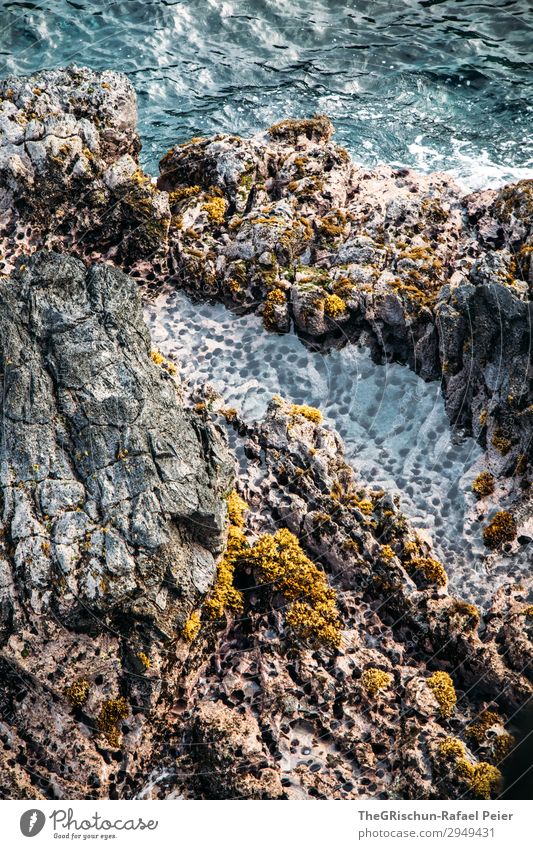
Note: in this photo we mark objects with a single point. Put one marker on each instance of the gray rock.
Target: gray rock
(113, 510)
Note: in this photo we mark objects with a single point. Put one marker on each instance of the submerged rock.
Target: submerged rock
(113, 512)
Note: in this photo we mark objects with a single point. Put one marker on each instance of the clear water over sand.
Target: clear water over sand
(393, 424)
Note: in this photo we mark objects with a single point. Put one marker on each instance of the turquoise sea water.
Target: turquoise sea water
(439, 84)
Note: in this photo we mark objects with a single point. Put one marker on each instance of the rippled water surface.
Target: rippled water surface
(440, 84)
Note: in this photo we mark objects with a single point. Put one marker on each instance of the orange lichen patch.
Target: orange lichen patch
(483, 484)
(485, 720)
(216, 209)
(318, 128)
(501, 443)
(373, 680)
(413, 293)
(160, 360)
(145, 660)
(183, 193)
(468, 614)
(501, 528)
(451, 748)
(501, 743)
(387, 552)
(345, 494)
(442, 686)
(365, 506)
(483, 778)
(229, 413)
(276, 297)
(309, 413)
(432, 570)
(111, 712)
(191, 628)
(331, 227)
(281, 562)
(78, 692)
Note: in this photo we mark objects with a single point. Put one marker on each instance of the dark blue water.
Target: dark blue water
(439, 84)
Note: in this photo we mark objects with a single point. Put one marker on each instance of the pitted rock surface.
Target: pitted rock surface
(322, 732)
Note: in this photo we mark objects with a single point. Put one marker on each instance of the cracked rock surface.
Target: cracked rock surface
(112, 514)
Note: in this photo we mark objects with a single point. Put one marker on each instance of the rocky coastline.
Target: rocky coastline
(182, 619)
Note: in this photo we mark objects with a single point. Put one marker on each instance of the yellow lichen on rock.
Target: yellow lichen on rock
(442, 686)
(482, 778)
(224, 595)
(310, 413)
(145, 660)
(373, 680)
(334, 306)
(275, 298)
(111, 712)
(451, 748)
(501, 528)
(485, 720)
(318, 128)
(191, 628)
(432, 570)
(281, 562)
(483, 484)
(160, 360)
(501, 443)
(216, 209)
(78, 692)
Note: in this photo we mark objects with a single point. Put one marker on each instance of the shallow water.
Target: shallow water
(437, 84)
(393, 424)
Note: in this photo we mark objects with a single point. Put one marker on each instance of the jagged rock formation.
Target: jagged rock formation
(286, 223)
(112, 512)
(117, 679)
(69, 172)
(378, 716)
